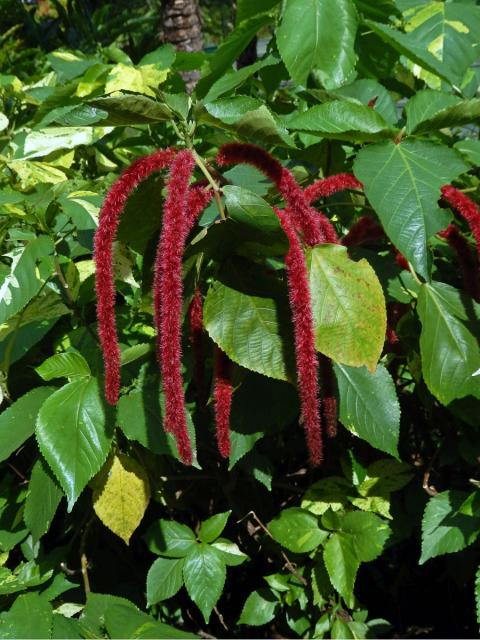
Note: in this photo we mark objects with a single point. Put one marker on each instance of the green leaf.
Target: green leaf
(42, 500)
(327, 493)
(297, 530)
(234, 79)
(348, 307)
(71, 365)
(425, 105)
(343, 120)
(402, 182)
(170, 538)
(210, 529)
(72, 435)
(248, 8)
(342, 564)
(368, 406)
(470, 149)
(63, 627)
(319, 36)
(367, 531)
(30, 266)
(444, 530)
(17, 422)
(365, 90)
(449, 342)
(125, 109)
(130, 354)
(259, 608)
(164, 579)
(141, 79)
(230, 552)
(126, 621)
(41, 143)
(341, 630)
(204, 574)
(458, 115)
(30, 616)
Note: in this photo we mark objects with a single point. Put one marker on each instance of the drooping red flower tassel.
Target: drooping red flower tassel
(315, 226)
(305, 352)
(468, 260)
(467, 208)
(223, 392)
(365, 229)
(333, 184)
(104, 237)
(195, 318)
(168, 298)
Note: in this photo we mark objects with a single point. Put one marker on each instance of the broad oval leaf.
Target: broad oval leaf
(342, 564)
(259, 608)
(348, 307)
(164, 579)
(70, 364)
(211, 528)
(204, 574)
(449, 342)
(402, 182)
(72, 435)
(170, 538)
(297, 530)
(368, 406)
(42, 500)
(319, 35)
(425, 105)
(121, 495)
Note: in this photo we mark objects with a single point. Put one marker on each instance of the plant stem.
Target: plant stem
(216, 189)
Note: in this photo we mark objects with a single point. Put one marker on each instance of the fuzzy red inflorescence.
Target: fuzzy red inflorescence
(466, 207)
(195, 319)
(104, 238)
(315, 226)
(365, 229)
(467, 259)
(223, 393)
(168, 298)
(305, 352)
(331, 185)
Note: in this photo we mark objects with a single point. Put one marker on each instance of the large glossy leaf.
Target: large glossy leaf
(368, 405)
(297, 530)
(41, 143)
(30, 266)
(73, 436)
(402, 182)
(121, 495)
(341, 119)
(429, 110)
(348, 307)
(43, 498)
(204, 574)
(64, 365)
(130, 109)
(449, 342)
(365, 90)
(444, 529)
(17, 423)
(318, 35)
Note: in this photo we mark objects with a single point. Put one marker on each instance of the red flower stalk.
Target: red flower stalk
(467, 259)
(305, 352)
(328, 186)
(195, 317)
(466, 208)
(223, 392)
(401, 260)
(168, 287)
(104, 237)
(329, 400)
(316, 229)
(365, 229)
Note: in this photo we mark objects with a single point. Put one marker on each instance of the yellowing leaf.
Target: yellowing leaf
(121, 496)
(142, 80)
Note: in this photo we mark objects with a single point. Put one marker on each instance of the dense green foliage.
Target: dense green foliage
(103, 532)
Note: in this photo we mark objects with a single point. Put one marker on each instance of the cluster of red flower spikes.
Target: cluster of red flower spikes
(183, 205)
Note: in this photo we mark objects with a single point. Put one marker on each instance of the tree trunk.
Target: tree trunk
(182, 27)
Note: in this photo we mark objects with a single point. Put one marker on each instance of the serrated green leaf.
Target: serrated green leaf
(365, 90)
(348, 306)
(230, 552)
(73, 436)
(259, 608)
(42, 500)
(444, 529)
(70, 365)
(17, 422)
(164, 579)
(170, 538)
(425, 105)
(327, 493)
(30, 616)
(318, 36)
(449, 342)
(125, 109)
(204, 574)
(470, 149)
(342, 563)
(126, 621)
(234, 79)
(402, 182)
(368, 406)
(213, 527)
(297, 530)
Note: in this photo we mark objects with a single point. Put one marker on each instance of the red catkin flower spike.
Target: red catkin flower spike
(315, 227)
(168, 288)
(195, 318)
(467, 208)
(305, 352)
(365, 229)
(223, 392)
(331, 185)
(104, 238)
(467, 259)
